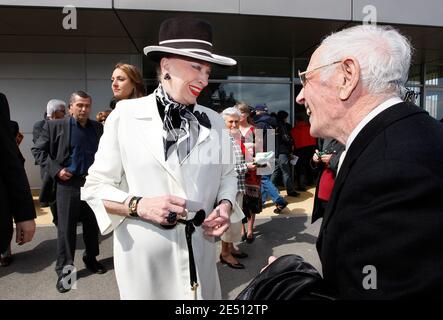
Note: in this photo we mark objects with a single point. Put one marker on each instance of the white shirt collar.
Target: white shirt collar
(371, 115)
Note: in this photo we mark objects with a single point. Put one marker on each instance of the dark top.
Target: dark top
(83, 145)
(265, 125)
(284, 141)
(37, 130)
(15, 195)
(381, 235)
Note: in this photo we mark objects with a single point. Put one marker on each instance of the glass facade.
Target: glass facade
(433, 88)
(434, 102)
(434, 73)
(219, 96)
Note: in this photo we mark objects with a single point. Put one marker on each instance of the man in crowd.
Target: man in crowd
(55, 109)
(265, 124)
(67, 147)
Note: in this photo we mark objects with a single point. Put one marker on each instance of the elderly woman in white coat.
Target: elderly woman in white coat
(159, 171)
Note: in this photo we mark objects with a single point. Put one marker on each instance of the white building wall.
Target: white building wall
(427, 13)
(225, 6)
(60, 3)
(321, 9)
(30, 80)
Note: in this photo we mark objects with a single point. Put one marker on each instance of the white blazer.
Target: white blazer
(130, 161)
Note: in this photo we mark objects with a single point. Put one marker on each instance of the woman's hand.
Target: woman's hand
(251, 166)
(315, 156)
(218, 220)
(157, 209)
(326, 158)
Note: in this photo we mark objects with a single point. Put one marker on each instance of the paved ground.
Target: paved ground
(32, 275)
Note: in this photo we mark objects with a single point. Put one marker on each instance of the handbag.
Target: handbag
(287, 278)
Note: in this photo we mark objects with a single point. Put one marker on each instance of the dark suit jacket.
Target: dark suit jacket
(386, 211)
(15, 195)
(52, 150)
(37, 130)
(47, 192)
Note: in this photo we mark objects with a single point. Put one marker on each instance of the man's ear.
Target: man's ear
(350, 77)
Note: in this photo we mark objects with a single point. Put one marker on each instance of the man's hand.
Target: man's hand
(271, 259)
(24, 231)
(157, 209)
(218, 220)
(64, 174)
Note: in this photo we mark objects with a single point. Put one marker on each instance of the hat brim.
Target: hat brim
(156, 52)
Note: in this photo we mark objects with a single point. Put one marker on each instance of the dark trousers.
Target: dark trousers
(304, 172)
(53, 206)
(71, 210)
(282, 168)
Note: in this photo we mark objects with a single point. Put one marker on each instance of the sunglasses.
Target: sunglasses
(302, 75)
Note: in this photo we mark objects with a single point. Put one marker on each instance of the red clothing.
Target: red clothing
(326, 184)
(302, 137)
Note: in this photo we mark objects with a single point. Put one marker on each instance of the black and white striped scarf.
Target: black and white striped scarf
(181, 139)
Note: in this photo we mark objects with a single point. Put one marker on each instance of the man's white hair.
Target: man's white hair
(383, 53)
(231, 111)
(54, 105)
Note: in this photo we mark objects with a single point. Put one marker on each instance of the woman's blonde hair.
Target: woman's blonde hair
(135, 76)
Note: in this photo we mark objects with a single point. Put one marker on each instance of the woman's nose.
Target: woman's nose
(204, 79)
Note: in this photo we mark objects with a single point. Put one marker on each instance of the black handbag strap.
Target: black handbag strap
(189, 230)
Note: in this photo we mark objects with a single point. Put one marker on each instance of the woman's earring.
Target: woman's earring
(167, 77)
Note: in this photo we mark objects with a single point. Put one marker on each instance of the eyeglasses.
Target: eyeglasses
(302, 75)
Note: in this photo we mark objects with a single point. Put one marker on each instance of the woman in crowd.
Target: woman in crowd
(154, 182)
(327, 161)
(127, 82)
(252, 199)
(229, 252)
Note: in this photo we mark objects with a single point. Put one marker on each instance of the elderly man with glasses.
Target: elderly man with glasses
(381, 234)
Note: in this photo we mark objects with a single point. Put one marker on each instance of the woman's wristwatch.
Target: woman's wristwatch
(133, 206)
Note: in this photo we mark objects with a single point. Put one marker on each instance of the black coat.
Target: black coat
(386, 211)
(15, 195)
(52, 150)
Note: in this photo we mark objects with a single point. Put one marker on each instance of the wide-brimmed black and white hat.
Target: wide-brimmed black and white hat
(189, 37)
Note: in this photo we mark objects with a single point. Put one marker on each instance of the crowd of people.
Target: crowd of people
(352, 147)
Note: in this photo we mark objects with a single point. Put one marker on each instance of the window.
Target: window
(219, 96)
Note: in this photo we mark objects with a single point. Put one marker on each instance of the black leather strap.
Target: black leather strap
(189, 230)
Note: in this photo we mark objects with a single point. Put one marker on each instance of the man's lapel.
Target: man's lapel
(363, 139)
